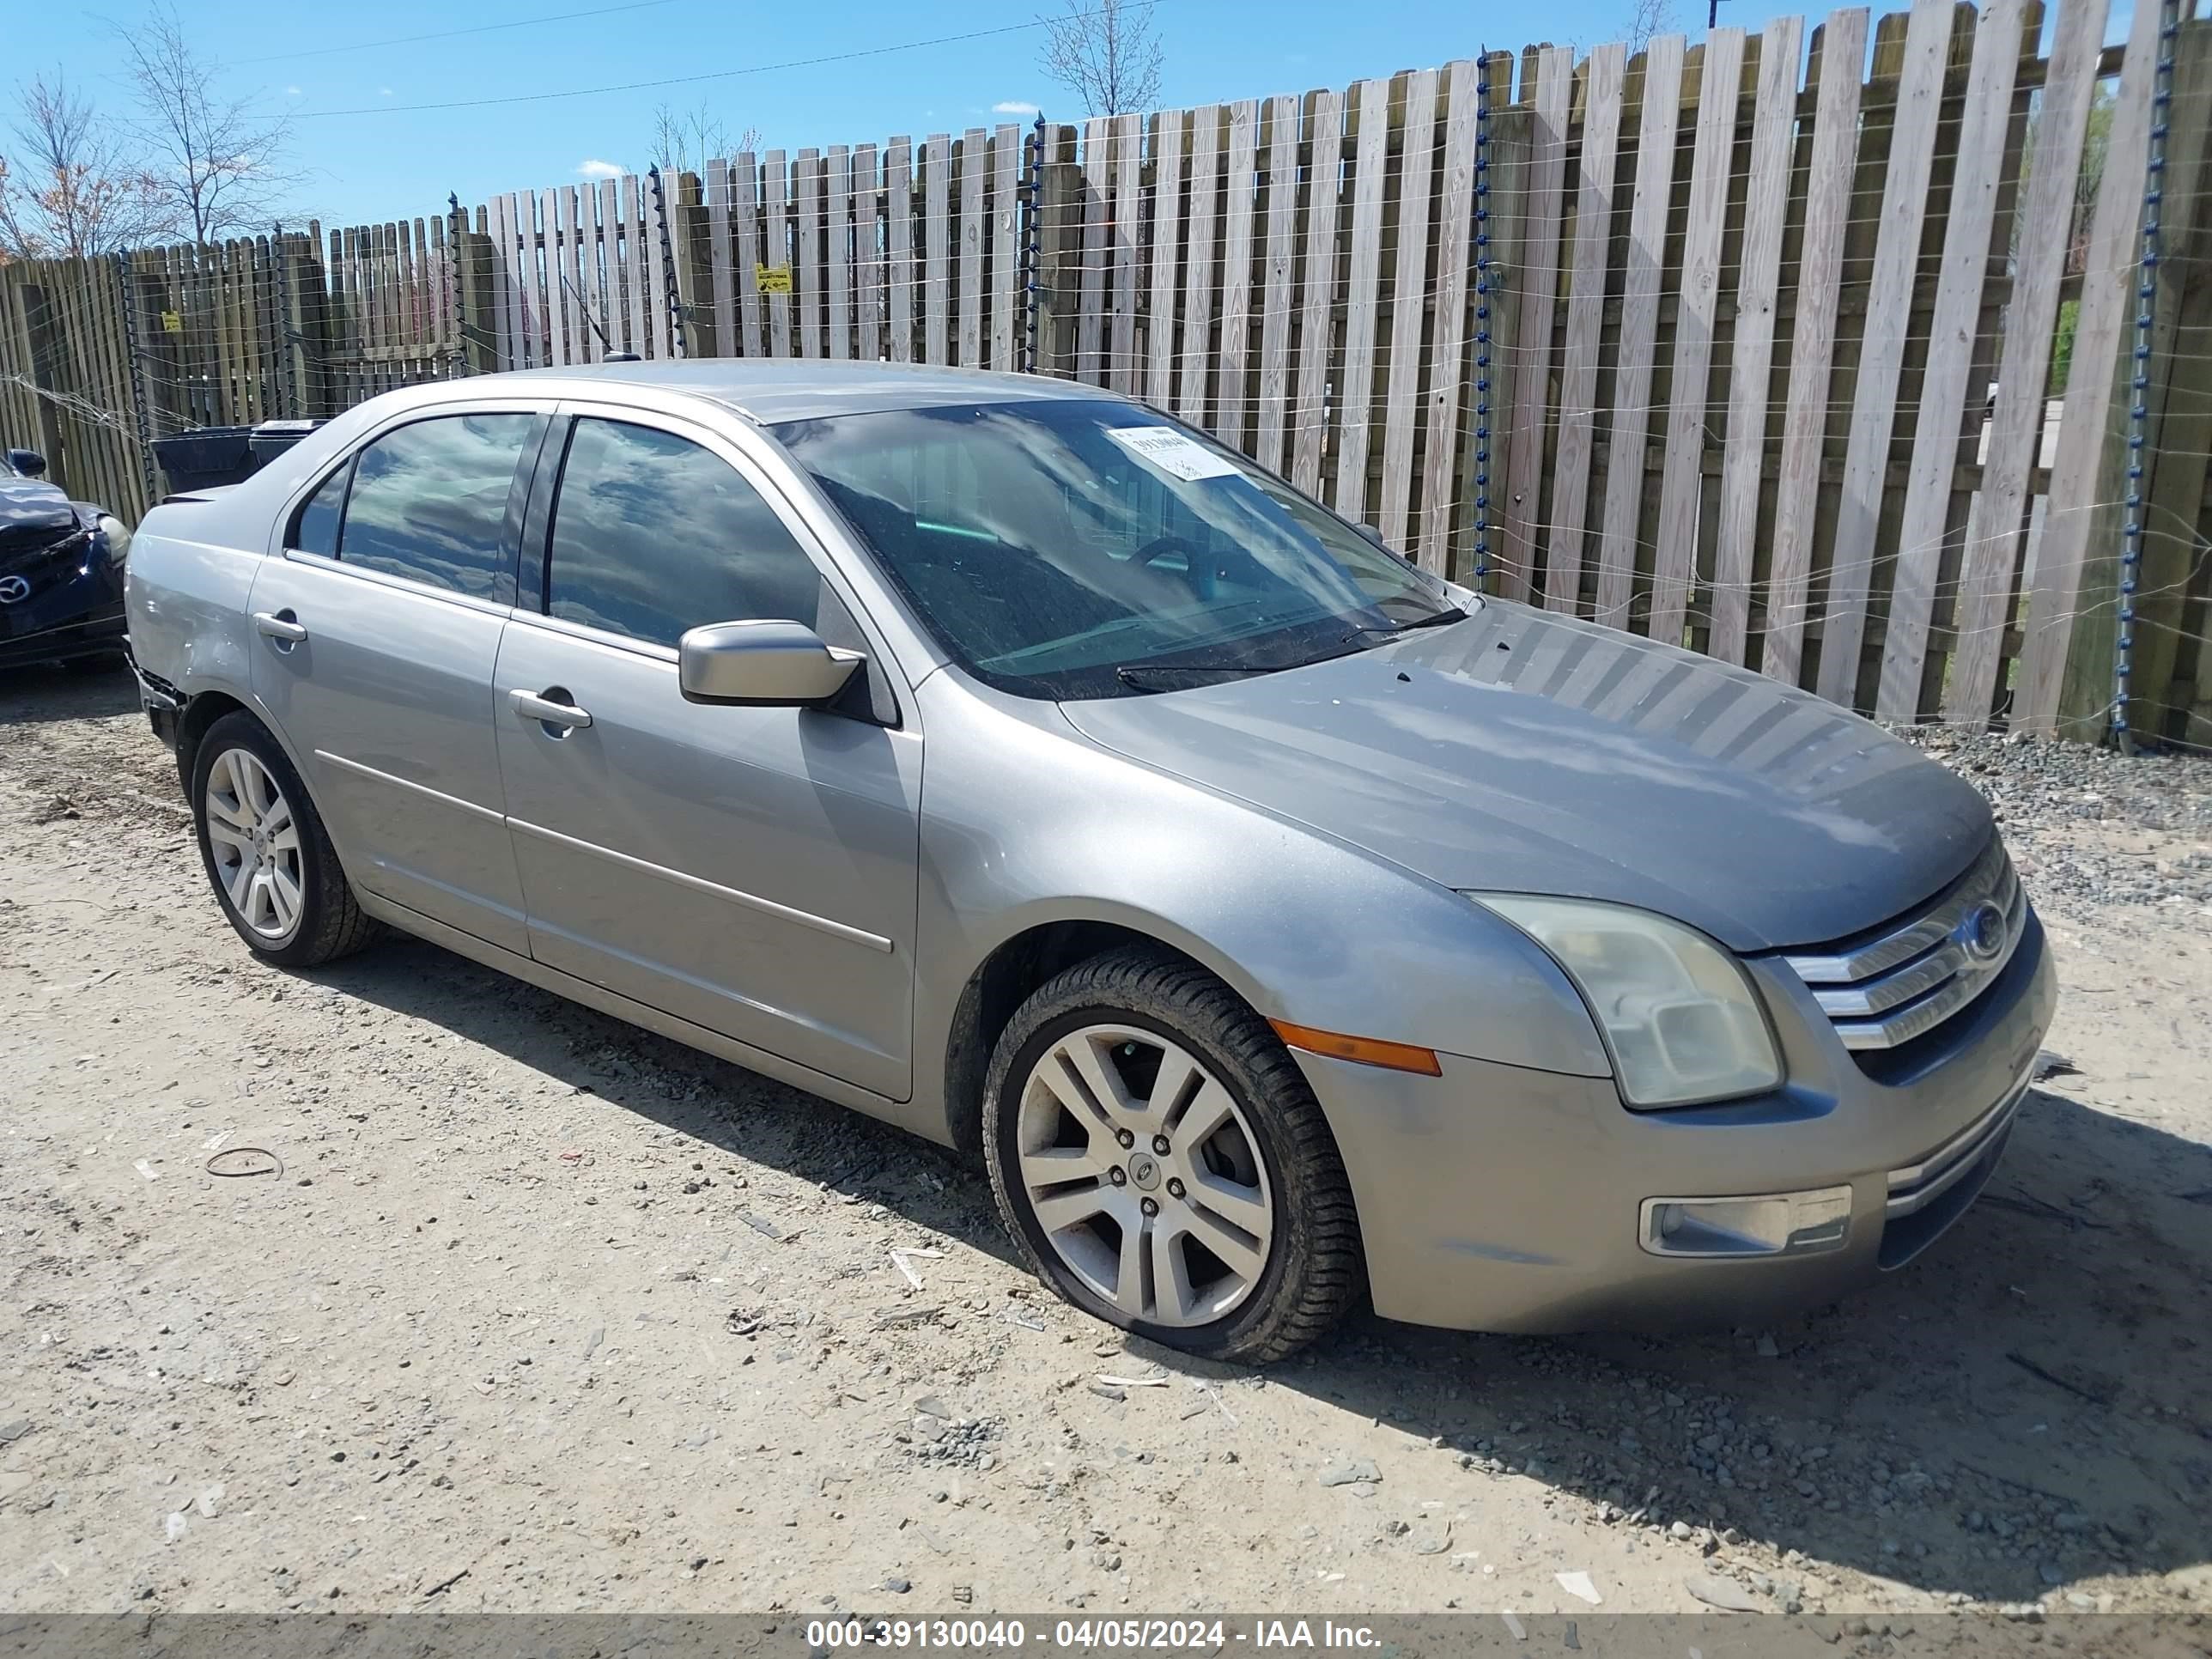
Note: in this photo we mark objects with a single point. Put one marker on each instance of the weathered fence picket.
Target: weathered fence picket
(1769, 347)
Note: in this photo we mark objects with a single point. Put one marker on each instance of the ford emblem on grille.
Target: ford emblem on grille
(1982, 933)
(13, 588)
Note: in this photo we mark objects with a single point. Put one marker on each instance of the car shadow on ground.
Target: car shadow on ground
(2018, 1410)
(46, 692)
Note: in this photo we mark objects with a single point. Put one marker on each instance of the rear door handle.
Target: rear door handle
(532, 706)
(280, 625)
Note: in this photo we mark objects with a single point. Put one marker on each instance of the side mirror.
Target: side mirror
(29, 462)
(774, 664)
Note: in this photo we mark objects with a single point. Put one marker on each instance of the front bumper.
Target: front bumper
(75, 613)
(1495, 1198)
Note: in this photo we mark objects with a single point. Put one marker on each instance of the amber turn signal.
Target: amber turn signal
(1365, 1051)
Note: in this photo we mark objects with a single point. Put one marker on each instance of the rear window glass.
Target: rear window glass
(315, 526)
(429, 502)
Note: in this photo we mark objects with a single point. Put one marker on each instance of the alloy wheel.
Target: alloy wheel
(255, 844)
(1145, 1176)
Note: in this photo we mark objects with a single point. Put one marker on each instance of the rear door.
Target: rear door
(378, 631)
(750, 870)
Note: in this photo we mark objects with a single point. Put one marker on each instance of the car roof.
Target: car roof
(773, 391)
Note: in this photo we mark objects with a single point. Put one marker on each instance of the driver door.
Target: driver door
(750, 870)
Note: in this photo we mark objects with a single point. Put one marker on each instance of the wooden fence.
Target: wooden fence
(101, 357)
(1743, 305)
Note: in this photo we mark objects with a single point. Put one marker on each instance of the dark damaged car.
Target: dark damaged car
(61, 571)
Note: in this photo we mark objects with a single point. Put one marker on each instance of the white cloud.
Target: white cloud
(1013, 106)
(383, 92)
(593, 167)
(292, 92)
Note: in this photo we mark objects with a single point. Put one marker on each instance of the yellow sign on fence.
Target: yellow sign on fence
(772, 279)
(172, 323)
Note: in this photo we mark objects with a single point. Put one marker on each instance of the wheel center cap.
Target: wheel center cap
(1144, 1172)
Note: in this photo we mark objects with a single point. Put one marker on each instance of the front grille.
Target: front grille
(1908, 978)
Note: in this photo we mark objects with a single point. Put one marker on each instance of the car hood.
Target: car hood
(1522, 752)
(27, 504)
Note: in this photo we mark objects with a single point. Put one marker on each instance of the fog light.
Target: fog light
(1775, 1223)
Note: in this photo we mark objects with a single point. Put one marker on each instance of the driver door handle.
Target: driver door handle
(279, 627)
(532, 706)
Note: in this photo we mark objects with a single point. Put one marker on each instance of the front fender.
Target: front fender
(1024, 824)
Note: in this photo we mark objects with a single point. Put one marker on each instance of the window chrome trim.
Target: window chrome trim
(361, 572)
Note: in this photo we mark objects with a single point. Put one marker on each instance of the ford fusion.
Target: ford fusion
(1278, 923)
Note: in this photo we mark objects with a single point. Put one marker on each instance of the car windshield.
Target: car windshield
(1074, 547)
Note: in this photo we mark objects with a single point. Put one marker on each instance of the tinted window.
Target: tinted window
(430, 501)
(315, 527)
(653, 535)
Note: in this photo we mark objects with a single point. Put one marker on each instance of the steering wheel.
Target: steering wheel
(1160, 546)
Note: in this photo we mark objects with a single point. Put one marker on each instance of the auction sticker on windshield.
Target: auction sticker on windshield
(1176, 455)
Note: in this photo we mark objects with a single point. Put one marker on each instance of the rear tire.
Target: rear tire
(276, 877)
(1162, 1164)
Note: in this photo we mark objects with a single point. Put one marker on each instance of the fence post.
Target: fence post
(2136, 570)
(1484, 283)
(134, 348)
(39, 321)
(295, 394)
(670, 297)
(475, 293)
(457, 266)
(1032, 188)
(1502, 159)
(1060, 251)
(691, 262)
(2079, 557)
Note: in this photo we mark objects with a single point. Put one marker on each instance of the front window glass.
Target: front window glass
(1071, 548)
(653, 535)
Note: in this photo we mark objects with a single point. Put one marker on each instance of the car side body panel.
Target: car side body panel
(1025, 822)
(390, 696)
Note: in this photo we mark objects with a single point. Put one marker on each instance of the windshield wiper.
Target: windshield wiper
(1439, 619)
(1170, 677)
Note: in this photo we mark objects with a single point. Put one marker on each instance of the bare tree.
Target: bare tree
(1649, 18)
(685, 141)
(1105, 52)
(219, 164)
(68, 185)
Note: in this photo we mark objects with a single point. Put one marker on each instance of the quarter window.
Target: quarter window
(429, 502)
(315, 526)
(653, 535)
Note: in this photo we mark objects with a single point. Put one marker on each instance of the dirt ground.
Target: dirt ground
(546, 1313)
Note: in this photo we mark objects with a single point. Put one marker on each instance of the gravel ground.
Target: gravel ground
(544, 1314)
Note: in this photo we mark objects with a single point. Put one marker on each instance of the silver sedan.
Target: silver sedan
(1278, 923)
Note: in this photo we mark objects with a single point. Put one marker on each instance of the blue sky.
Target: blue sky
(395, 161)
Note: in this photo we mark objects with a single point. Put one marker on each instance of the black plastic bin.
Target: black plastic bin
(200, 460)
(225, 454)
(272, 438)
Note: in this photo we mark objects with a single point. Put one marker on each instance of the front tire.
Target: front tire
(1162, 1164)
(275, 873)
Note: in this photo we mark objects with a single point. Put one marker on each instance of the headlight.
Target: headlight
(118, 538)
(1681, 1020)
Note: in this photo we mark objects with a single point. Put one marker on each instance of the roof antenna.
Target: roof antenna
(607, 353)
